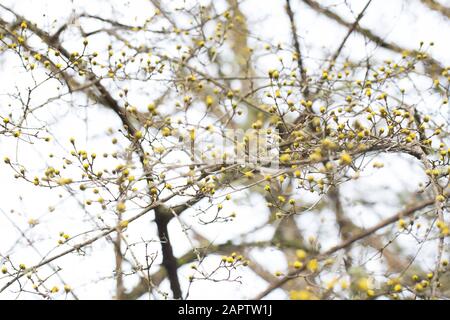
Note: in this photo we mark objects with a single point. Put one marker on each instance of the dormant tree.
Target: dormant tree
(120, 125)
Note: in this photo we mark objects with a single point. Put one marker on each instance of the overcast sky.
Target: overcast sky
(403, 22)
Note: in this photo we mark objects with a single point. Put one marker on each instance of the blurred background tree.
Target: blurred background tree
(116, 182)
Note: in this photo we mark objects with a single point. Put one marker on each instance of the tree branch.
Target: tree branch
(346, 243)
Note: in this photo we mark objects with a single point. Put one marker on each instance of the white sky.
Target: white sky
(404, 22)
